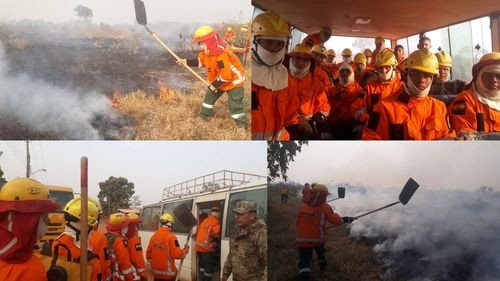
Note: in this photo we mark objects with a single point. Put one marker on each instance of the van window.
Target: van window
(61, 197)
(259, 196)
(150, 218)
(169, 208)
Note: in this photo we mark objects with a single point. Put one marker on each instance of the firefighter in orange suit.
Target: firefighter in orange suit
(24, 208)
(224, 71)
(311, 229)
(163, 249)
(274, 107)
(411, 114)
(135, 248)
(121, 266)
(313, 102)
(99, 245)
(477, 109)
(318, 52)
(206, 243)
(72, 234)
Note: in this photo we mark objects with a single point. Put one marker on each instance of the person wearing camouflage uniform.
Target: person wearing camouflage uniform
(247, 258)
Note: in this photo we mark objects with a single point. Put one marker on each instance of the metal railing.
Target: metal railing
(209, 183)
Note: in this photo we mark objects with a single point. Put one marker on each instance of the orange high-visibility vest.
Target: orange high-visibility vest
(468, 114)
(208, 230)
(341, 98)
(225, 67)
(311, 225)
(311, 94)
(163, 249)
(30, 270)
(137, 255)
(99, 245)
(121, 267)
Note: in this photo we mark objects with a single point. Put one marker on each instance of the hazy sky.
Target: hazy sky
(449, 165)
(122, 11)
(151, 166)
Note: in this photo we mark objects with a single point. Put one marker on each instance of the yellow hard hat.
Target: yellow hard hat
(330, 52)
(270, 24)
(133, 217)
(319, 49)
(97, 204)
(423, 60)
(320, 187)
(444, 60)
(203, 33)
(487, 59)
(118, 221)
(167, 217)
(359, 58)
(346, 52)
(74, 208)
(301, 50)
(385, 58)
(215, 208)
(368, 52)
(29, 196)
(379, 39)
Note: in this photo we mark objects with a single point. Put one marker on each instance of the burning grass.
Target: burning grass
(171, 115)
(347, 259)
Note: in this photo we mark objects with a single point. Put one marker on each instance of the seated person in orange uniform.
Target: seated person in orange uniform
(341, 98)
(313, 102)
(477, 109)
(410, 114)
(319, 70)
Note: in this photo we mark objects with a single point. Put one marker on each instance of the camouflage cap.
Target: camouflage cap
(244, 207)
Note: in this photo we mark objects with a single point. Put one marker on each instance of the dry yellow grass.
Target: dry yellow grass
(347, 259)
(170, 115)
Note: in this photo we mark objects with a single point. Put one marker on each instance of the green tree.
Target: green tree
(279, 155)
(135, 202)
(116, 192)
(84, 13)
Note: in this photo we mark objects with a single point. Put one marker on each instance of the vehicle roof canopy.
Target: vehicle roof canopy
(391, 19)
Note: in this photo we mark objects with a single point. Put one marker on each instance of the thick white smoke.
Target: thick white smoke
(438, 235)
(43, 107)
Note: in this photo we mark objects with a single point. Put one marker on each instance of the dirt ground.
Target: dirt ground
(347, 259)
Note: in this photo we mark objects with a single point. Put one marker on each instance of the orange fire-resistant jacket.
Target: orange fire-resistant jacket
(341, 98)
(208, 230)
(402, 117)
(75, 254)
(163, 249)
(99, 245)
(311, 225)
(32, 269)
(372, 93)
(311, 94)
(332, 70)
(225, 67)
(272, 112)
(322, 75)
(467, 113)
(137, 255)
(121, 266)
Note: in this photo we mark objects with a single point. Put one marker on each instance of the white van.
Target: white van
(224, 189)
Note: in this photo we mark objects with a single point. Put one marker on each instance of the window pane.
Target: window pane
(61, 197)
(169, 208)
(259, 196)
(461, 51)
(150, 218)
(481, 37)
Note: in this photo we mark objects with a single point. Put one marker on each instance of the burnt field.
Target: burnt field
(99, 82)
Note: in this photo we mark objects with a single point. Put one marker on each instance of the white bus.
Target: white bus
(225, 189)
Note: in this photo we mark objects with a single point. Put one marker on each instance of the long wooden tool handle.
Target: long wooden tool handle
(176, 57)
(392, 204)
(182, 260)
(83, 219)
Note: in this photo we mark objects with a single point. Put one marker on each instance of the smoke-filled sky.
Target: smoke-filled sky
(150, 165)
(441, 165)
(122, 11)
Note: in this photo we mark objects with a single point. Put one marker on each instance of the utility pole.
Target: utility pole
(28, 166)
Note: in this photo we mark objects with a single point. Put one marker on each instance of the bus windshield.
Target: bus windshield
(61, 197)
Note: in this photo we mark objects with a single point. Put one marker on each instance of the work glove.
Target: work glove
(213, 89)
(348, 219)
(318, 118)
(185, 250)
